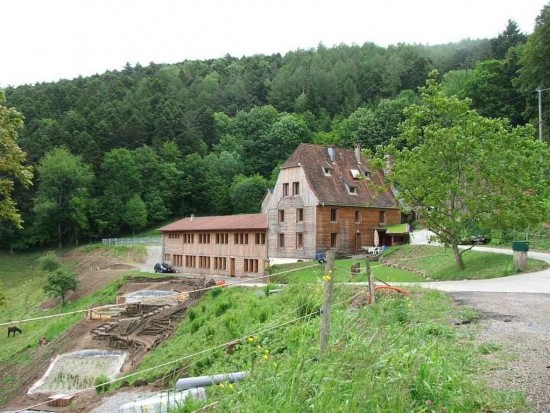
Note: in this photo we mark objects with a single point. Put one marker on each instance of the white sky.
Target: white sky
(47, 40)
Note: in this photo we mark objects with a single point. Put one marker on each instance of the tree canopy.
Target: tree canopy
(461, 172)
(12, 158)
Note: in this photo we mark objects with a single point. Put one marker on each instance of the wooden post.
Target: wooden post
(372, 298)
(327, 302)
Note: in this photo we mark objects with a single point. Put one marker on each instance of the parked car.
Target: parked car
(164, 268)
(475, 240)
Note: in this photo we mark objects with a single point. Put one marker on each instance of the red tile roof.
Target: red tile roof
(221, 223)
(332, 190)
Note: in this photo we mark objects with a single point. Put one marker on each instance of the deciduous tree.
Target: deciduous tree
(459, 170)
(11, 162)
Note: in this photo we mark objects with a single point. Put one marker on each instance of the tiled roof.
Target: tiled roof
(221, 223)
(332, 190)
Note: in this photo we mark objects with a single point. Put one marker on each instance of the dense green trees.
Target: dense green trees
(133, 148)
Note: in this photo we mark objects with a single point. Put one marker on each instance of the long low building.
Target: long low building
(231, 245)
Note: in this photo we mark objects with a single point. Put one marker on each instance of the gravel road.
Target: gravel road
(520, 325)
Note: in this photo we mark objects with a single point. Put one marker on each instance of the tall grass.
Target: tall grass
(400, 355)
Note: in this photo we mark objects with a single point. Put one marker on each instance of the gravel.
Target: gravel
(520, 325)
(112, 403)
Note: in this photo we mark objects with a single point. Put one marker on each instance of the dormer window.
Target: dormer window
(327, 171)
(352, 189)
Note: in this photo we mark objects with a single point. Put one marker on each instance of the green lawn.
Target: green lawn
(439, 262)
(342, 272)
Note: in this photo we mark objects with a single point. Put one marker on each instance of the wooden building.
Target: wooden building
(324, 198)
(233, 245)
(328, 198)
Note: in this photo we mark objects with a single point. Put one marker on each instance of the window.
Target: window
(260, 238)
(281, 240)
(285, 189)
(204, 262)
(327, 171)
(357, 217)
(334, 215)
(222, 238)
(295, 188)
(190, 261)
(333, 240)
(188, 238)
(178, 259)
(281, 215)
(352, 190)
(220, 263)
(299, 214)
(241, 238)
(204, 238)
(166, 257)
(173, 235)
(299, 240)
(250, 265)
(382, 217)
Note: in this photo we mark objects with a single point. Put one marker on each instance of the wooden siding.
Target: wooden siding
(305, 200)
(347, 229)
(250, 251)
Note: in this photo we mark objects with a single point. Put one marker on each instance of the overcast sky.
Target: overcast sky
(47, 40)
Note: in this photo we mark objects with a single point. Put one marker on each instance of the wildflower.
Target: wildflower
(230, 386)
(250, 339)
(266, 356)
(327, 278)
(221, 385)
(266, 351)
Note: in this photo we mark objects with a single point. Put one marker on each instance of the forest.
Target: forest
(125, 150)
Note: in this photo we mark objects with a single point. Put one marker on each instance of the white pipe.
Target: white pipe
(202, 381)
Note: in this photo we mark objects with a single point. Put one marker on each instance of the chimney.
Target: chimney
(332, 153)
(358, 152)
(192, 217)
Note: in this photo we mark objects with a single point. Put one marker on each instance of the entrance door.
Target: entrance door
(358, 245)
(232, 267)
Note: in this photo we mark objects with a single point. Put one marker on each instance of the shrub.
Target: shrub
(101, 384)
(49, 262)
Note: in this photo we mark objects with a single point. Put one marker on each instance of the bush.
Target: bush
(101, 384)
(49, 262)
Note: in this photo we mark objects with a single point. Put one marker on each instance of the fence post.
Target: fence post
(327, 302)
(372, 298)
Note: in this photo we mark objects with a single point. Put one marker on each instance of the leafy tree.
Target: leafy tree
(247, 193)
(59, 283)
(63, 198)
(460, 170)
(136, 213)
(11, 162)
(49, 262)
(489, 86)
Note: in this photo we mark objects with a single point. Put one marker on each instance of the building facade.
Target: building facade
(327, 198)
(324, 198)
(234, 245)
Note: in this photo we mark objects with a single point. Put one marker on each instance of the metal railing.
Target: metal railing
(132, 241)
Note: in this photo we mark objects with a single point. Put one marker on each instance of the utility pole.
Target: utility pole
(327, 302)
(539, 93)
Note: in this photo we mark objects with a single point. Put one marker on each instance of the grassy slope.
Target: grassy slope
(400, 355)
(439, 262)
(22, 284)
(342, 273)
